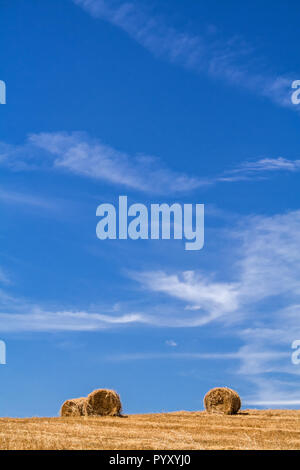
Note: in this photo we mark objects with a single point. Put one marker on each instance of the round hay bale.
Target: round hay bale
(74, 407)
(222, 400)
(104, 402)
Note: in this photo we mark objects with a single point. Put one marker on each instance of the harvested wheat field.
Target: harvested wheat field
(250, 429)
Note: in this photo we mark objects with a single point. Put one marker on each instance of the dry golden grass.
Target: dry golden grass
(251, 429)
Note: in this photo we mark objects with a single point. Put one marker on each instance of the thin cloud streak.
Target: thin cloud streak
(185, 355)
(79, 154)
(14, 197)
(158, 356)
(272, 402)
(266, 265)
(212, 299)
(43, 321)
(84, 156)
(260, 168)
(229, 60)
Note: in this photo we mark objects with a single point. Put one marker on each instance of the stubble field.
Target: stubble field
(251, 429)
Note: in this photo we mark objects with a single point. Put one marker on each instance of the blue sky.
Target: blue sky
(174, 101)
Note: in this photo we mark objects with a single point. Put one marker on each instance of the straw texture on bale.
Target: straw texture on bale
(103, 402)
(75, 407)
(100, 402)
(222, 400)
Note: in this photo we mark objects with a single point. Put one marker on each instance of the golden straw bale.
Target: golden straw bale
(74, 407)
(222, 400)
(103, 402)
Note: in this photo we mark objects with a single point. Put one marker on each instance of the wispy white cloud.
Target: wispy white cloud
(231, 60)
(79, 154)
(82, 155)
(275, 402)
(19, 198)
(269, 256)
(19, 314)
(174, 355)
(23, 157)
(269, 392)
(4, 277)
(260, 306)
(43, 321)
(172, 343)
(212, 299)
(265, 273)
(265, 264)
(239, 355)
(260, 168)
(270, 275)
